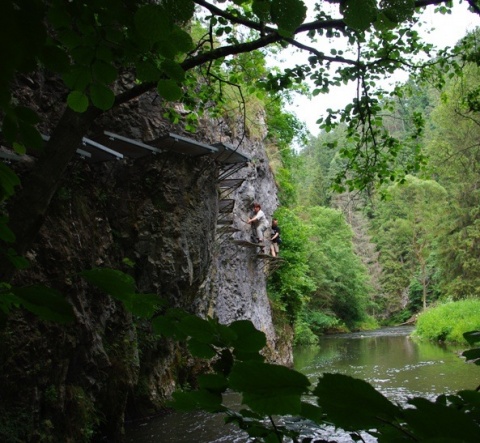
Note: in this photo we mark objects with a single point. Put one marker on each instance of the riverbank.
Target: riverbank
(449, 321)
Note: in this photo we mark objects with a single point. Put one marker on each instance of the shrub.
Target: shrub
(449, 321)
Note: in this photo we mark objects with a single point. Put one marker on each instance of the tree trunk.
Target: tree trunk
(424, 284)
(28, 207)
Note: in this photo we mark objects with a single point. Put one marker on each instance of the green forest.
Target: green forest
(386, 253)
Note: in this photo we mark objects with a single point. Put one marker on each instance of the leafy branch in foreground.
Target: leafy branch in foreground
(271, 393)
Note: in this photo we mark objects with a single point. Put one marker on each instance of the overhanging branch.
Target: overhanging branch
(320, 54)
(271, 37)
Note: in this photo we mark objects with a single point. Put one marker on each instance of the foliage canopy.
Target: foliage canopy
(90, 44)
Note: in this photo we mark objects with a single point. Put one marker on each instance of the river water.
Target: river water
(396, 365)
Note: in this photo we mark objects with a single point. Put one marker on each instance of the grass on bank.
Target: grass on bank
(448, 322)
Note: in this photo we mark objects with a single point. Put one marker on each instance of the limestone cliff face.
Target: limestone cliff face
(161, 213)
(236, 285)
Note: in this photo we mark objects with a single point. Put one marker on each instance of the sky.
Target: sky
(448, 29)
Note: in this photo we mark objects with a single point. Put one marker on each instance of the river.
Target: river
(388, 358)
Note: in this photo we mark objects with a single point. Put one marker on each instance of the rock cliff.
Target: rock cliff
(160, 219)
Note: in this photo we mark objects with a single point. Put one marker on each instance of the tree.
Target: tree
(453, 148)
(88, 45)
(291, 287)
(315, 177)
(407, 227)
(340, 277)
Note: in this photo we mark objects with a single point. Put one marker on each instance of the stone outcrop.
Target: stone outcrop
(156, 218)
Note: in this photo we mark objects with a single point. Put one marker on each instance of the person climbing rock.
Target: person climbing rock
(276, 240)
(259, 222)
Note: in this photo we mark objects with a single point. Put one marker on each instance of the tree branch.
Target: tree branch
(232, 18)
(268, 39)
(474, 6)
(321, 55)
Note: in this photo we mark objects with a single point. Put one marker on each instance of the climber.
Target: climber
(259, 221)
(276, 240)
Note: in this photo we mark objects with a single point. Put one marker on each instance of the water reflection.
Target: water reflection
(393, 363)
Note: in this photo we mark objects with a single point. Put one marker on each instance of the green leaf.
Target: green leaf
(200, 349)
(83, 55)
(181, 40)
(179, 10)
(164, 326)
(55, 59)
(383, 23)
(58, 15)
(472, 337)
(359, 14)
(169, 90)
(147, 71)
(6, 234)
(166, 49)
(27, 115)
(173, 70)
(8, 300)
(167, 324)
(70, 39)
(8, 181)
(30, 136)
(436, 421)
(472, 354)
(288, 15)
(45, 302)
(10, 127)
(115, 36)
(104, 53)
(77, 101)
(102, 97)
(269, 389)
(79, 77)
(121, 286)
(470, 397)
(152, 23)
(398, 11)
(353, 404)
(248, 339)
(104, 72)
(18, 261)
(261, 8)
(189, 401)
(197, 327)
(248, 356)
(312, 412)
(116, 283)
(224, 336)
(143, 305)
(213, 382)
